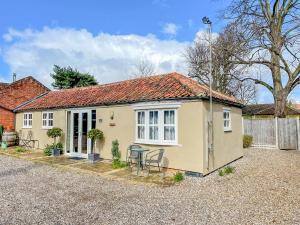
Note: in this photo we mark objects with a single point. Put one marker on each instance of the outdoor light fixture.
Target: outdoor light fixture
(206, 20)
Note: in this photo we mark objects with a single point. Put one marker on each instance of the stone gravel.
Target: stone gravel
(265, 189)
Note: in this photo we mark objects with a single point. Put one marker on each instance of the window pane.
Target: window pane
(50, 123)
(94, 119)
(50, 116)
(44, 123)
(153, 133)
(30, 116)
(167, 117)
(141, 117)
(169, 133)
(141, 132)
(172, 117)
(153, 117)
(44, 115)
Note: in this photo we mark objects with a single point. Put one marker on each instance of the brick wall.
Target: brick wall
(16, 94)
(7, 119)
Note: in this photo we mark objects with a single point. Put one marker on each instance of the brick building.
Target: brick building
(15, 94)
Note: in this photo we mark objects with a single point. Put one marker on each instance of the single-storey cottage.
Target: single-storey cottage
(167, 111)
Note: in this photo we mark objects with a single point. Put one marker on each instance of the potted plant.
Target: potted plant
(54, 133)
(94, 135)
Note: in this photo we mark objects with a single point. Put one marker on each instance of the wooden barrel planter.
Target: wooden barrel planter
(9, 137)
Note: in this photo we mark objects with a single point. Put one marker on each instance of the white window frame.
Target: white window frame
(47, 120)
(229, 127)
(27, 121)
(161, 126)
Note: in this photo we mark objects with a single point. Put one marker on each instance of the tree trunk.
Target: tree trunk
(280, 100)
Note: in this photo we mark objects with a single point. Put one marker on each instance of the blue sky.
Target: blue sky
(105, 38)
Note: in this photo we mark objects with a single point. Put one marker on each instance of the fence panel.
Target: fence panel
(263, 131)
(287, 133)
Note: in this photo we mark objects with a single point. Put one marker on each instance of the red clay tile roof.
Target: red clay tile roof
(3, 85)
(159, 87)
(20, 91)
(266, 109)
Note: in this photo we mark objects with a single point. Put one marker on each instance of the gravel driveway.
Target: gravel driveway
(264, 190)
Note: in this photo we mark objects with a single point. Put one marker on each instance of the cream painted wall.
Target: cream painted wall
(186, 156)
(38, 132)
(228, 145)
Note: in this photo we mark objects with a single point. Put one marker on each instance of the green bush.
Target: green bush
(226, 170)
(20, 149)
(116, 154)
(54, 132)
(117, 164)
(95, 134)
(48, 150)
(221, 172)
(178, 177)
(229, 169)
(1, 131)
(247, 141)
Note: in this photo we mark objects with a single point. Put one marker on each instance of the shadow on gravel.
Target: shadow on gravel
(21, 170)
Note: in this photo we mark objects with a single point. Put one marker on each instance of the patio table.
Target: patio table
(140, 152)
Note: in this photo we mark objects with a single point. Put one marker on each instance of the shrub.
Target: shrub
(20, 149)
(48, 150)
(229, 170)
(178, 177)
(60, 146)
(117, 164)
(221, 172)
(116, 154)
(54, 133)
(247, 141)
(1, 131)
(95, 134)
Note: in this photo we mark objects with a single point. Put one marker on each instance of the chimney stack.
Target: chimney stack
(14, 77)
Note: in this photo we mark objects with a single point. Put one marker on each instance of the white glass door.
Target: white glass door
(80, 125)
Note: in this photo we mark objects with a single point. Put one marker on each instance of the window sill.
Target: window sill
(46, 128)
(26, 127)
(157, 143)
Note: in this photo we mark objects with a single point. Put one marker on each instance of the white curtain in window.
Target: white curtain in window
(169, 125)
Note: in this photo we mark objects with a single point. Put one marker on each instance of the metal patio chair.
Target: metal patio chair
(154, 158)
(132, 156)
(27, 142)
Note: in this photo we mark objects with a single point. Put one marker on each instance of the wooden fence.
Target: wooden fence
(282, 133)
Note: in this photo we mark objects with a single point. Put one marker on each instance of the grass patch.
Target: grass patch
(178, 177)
(98, 167)
(59, 160)
(221, 173)
(20, 149)
(117, 164)
(150, 179)
(226, 170)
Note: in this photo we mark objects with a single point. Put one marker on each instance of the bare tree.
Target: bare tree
(144, 68)
(270, 31)
(226, 74)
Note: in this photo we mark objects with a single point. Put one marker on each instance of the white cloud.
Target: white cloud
(107, 57)
(170, 29)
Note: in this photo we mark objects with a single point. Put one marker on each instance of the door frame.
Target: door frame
(89, 121)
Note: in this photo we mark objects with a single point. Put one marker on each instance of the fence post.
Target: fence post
(298, 134)
(276, 132)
